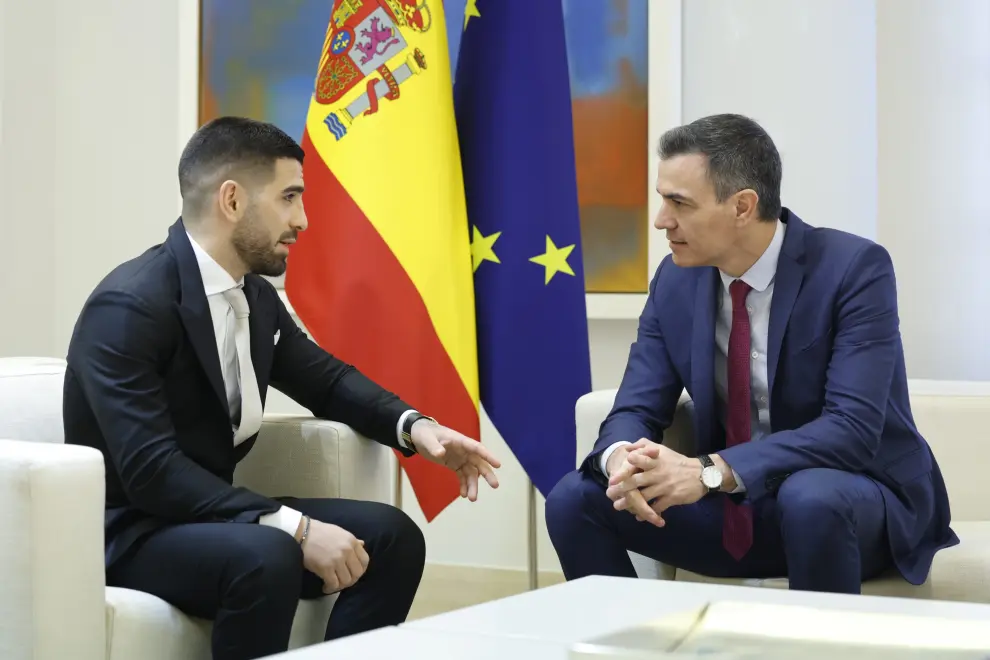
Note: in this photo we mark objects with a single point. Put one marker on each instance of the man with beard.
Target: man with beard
(168, 368)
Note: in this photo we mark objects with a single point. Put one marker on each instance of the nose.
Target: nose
(665, 219)
(300, 222)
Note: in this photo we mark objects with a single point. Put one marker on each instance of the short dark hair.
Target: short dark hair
(231, 144)
(740, 155)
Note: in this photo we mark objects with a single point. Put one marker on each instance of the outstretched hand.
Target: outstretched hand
(468, 458)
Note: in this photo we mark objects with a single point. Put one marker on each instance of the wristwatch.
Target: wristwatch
(711, 476)
(407, 424)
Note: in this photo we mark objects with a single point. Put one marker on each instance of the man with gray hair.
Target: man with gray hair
(807, 462)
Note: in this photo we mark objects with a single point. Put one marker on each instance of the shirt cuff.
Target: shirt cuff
(285, 519)
(740, 486)
(398, 430)
(608, 452)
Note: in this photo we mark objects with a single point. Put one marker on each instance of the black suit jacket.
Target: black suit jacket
(143, 385)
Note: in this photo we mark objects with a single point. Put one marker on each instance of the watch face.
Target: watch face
(711, 477)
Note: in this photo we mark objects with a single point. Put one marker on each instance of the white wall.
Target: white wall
(89, 130)
(804, 70)
(933, 70)
(93, 114)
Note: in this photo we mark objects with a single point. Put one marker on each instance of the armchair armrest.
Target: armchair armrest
(592, 409)
(302, 456)
(51, 551)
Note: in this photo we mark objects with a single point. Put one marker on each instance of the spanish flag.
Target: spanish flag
(383, 276)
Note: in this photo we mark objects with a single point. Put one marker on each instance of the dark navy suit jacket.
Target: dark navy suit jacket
(143, 385)
(837, 380)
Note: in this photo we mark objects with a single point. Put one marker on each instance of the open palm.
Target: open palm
(468, 458)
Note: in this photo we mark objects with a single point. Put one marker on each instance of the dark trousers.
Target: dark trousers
(824, 530)
(248, 578)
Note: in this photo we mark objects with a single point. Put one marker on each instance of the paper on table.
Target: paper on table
(777, 632)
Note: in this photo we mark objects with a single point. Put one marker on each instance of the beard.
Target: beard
(253, 245)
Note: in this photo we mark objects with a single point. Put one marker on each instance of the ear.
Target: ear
(746, 206)
(229, 198)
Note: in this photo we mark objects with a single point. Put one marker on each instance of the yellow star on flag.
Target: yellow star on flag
(471, 11)
(554, 260)
(481, 248)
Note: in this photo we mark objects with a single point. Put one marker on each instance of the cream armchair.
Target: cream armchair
(951, 415)
(54, 603)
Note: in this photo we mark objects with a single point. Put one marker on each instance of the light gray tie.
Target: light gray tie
(251, 412)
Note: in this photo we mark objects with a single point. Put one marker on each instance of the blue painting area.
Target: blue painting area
(277, 44)
(454, 17)
(594, 48)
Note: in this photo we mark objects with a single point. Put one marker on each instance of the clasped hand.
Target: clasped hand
(652, 478)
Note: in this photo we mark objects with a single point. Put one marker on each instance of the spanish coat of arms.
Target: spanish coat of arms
(363, 38)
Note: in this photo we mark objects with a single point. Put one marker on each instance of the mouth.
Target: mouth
(287, 242)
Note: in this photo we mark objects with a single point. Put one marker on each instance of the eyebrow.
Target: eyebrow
(676, 197)
(293, 189)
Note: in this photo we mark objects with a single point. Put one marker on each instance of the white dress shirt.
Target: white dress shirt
(761, 278)
(216, 280)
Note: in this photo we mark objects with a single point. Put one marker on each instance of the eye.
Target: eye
(290, 197)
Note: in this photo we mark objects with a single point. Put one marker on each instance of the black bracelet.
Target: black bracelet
(407, 425)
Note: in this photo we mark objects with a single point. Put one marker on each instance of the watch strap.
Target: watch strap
(407, 425)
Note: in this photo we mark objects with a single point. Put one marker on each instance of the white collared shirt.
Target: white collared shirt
(760, 277)
(216, 280)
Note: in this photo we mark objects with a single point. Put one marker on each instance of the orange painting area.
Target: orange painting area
(610, 136)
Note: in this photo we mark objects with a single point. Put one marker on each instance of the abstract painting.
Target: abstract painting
(258, 59)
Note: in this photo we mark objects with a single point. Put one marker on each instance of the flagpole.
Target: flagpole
(531, 532)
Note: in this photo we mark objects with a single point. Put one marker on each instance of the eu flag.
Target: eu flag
(513, 108)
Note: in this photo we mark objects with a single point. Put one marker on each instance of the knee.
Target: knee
(401, 538)
(266, 561)
(811, 498)
(567, 502)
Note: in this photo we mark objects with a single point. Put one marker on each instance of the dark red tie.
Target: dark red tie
(737, 526)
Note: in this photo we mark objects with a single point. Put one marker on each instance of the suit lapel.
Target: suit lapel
(194, 310)
(262, 339)
(787, 284)
(703, 356)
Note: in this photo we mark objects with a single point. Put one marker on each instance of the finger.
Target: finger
(344, 577)
(481, 451)
(363, 557)
(650, 453)
(635, 503)
(625, 471)
(472, 481)
(487, 472)
(462, 478)
(653, 491)
(634, 482)
(354, 567)
(331, 584)
(642, 442)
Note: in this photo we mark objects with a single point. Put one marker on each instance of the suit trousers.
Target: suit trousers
(248, 578)
(824, 529)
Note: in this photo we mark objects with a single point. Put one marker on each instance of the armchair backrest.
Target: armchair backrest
(31, 399)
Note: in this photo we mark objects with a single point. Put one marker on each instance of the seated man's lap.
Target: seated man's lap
(691, 538)
(193, 566)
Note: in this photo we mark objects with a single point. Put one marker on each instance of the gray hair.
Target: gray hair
(740, 155)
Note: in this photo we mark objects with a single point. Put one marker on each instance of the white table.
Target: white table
(410, 644)
(543, 624)
(594, 606)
